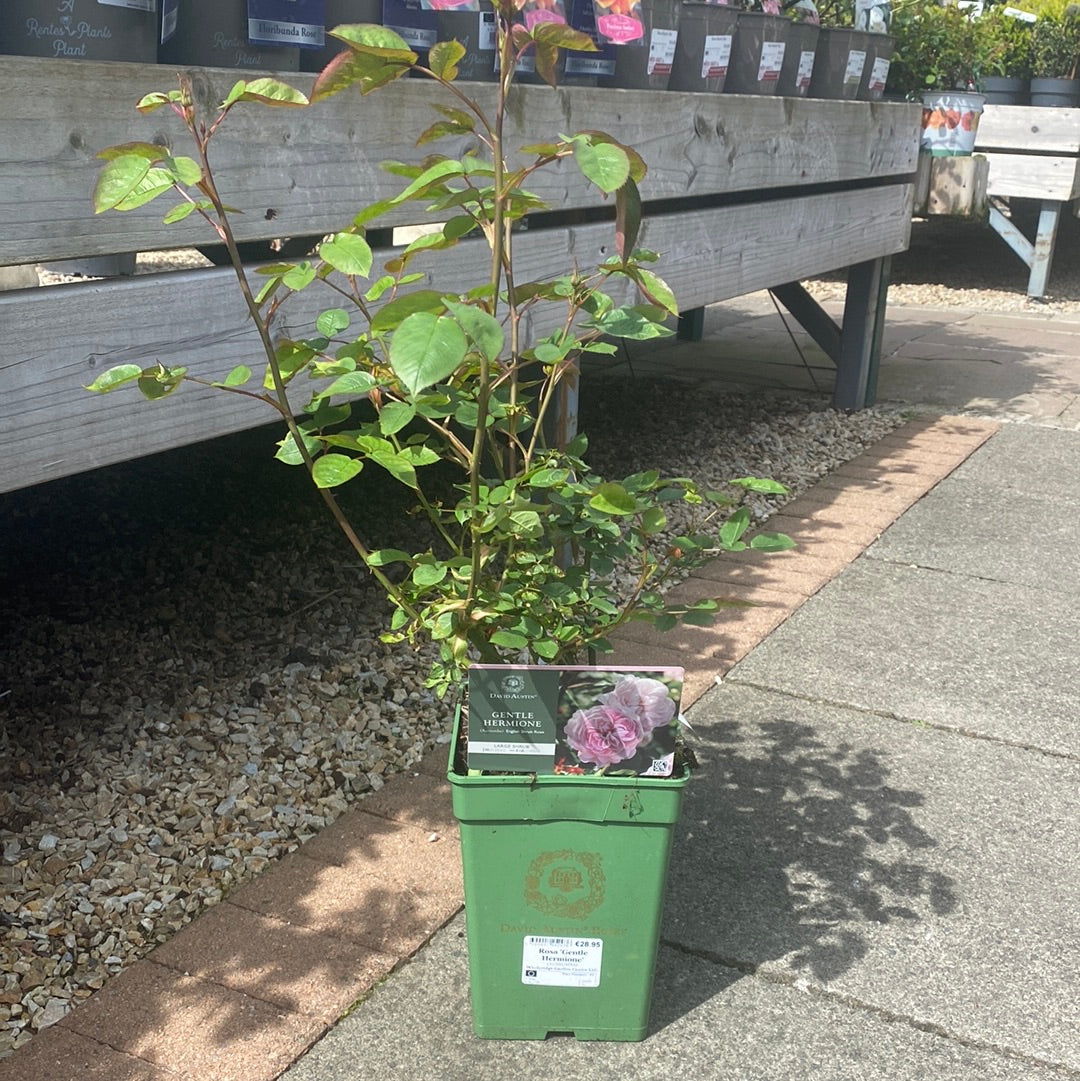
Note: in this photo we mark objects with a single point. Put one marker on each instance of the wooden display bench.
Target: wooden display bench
(1033, 154)
(743, 193)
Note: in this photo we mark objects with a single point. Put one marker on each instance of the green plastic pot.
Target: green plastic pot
(564, 891)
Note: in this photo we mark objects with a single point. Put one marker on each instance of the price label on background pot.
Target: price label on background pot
(806, 70)
(772, 60)
(879, 74)
(662, 51)
(547, 961)
(856, 61)
(717, 56)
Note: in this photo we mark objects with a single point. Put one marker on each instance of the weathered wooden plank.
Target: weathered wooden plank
(1023, 128)
(57, 339)
(1034, 176)
(958, 186)
(314, 168)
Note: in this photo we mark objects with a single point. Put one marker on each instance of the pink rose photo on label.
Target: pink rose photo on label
(618, 721)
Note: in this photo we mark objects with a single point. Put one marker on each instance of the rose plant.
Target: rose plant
(524, 541)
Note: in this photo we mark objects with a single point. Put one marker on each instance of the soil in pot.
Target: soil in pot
(214, 33)
(1055, 93)
(645, 35)
(799, 59)
(757, 56)
(703, 51)
(79, 30)
(339, 13)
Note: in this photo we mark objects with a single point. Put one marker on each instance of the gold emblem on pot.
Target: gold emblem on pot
(566, 884)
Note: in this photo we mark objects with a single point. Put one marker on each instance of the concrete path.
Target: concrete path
(877, 873)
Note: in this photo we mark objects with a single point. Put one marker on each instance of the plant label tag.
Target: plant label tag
(856, 61)
(716, 57)
(661, 51)
(879, 73)
(414, 24)
(806, 69)
(547, 961)
(772, 60)
(169, 9)
(134, 5)
(287, 22)
(574, 720)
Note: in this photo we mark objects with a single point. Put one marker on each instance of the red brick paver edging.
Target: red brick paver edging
(244, 990)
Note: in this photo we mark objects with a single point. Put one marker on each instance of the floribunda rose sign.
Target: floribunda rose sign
(573, 720)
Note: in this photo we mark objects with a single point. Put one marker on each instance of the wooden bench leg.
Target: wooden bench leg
(1038, 256)
(855, 346)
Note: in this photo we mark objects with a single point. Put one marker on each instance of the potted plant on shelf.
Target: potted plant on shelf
(844, 53)
(759, 48)
(937, 61)
(525, 550)
(1055, 44)
(799, 57)
(1003, 48)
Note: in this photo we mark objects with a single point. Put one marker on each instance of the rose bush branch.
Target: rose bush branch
(525, 539)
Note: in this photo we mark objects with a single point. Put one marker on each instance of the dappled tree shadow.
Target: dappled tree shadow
(792, 843)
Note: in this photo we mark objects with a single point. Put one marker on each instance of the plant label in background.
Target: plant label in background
(573, 720)
(716, 56)
(414, 24)
(287, 22)
(772, 60)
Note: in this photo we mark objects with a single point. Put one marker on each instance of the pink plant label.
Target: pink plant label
(620, 29)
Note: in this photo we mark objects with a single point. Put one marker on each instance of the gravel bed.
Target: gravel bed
(192, 682)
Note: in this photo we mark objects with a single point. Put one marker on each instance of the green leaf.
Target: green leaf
(348, 253)
(735, 527)
(611, 498)
(509, 640)
(761, 484)
(332, 321)
(426, 349)
(118, 179)
(299, 277)
(186, 170)
(484, 330)
(698, 617)
(428, 177)
(772, 542)
(330, 470)
(563, 37)
(548, 478)
(396, 311)
(115, 377)
(657, 291)
(371, 36)
(443, 59)
(151, 102)
(653, 520)
(370, 69)
(352, 383)
(605, 164)
(627, 217)
(394, 416)
(428, 574)
(273, 92)
(238, 376)
(384, 556)
(289, 453)
(631, 323)
(458, 226)
(179, 213)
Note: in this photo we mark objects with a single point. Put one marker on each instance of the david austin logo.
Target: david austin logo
(565, 884)
(513, 684)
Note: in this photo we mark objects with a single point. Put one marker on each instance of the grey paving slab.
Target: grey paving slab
(1011, 513)
(709, 1021)
(992, 658)
(918, 872)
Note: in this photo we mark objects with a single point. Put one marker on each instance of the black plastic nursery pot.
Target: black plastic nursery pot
(703, 51)
(80, 29)
(339, 13)
(644, 58)
(840, 64)
(1055, 93)
(476, 32)
(757, 56)
(799, 59)
(1005, 89)
(214, 33)
(564, 889)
